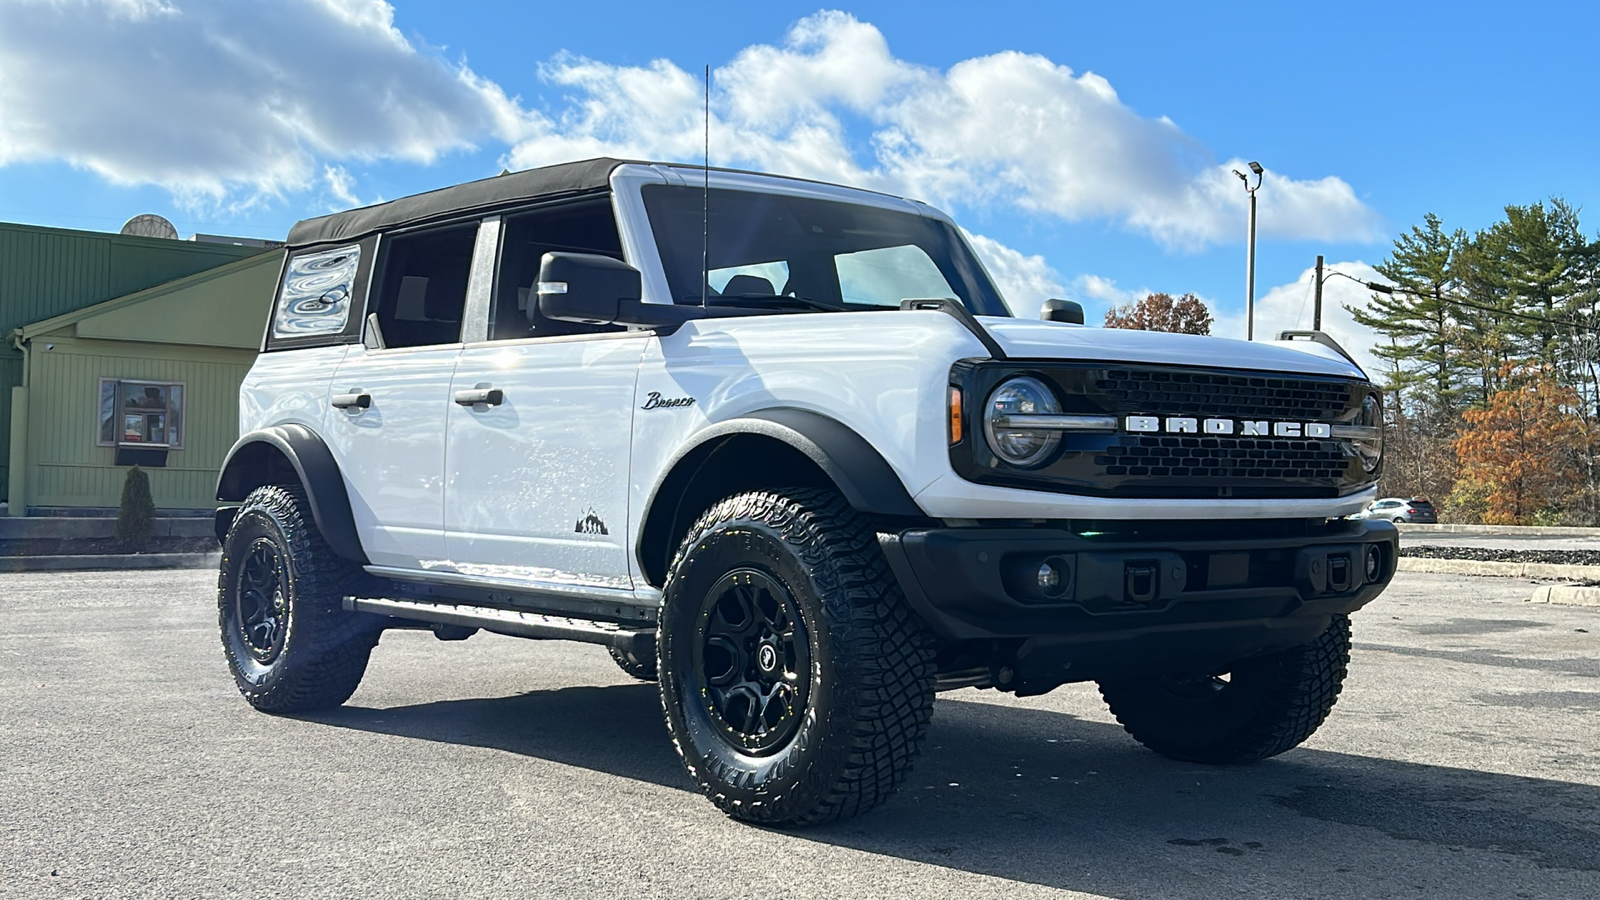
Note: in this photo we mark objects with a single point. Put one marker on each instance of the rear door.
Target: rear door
(391, 396)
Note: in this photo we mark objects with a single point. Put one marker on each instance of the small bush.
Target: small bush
(136, 518)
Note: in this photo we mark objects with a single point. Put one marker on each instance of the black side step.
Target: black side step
(517, 623)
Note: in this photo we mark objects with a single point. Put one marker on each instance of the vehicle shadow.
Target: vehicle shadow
(1049, 798)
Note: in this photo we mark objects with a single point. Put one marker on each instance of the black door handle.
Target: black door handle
(486, 396)
(357, 400)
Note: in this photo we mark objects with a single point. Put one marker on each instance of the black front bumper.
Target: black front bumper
(1128, 605)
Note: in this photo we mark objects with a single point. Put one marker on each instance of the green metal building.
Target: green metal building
(122, 350)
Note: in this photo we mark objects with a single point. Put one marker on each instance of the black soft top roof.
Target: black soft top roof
(565, 179)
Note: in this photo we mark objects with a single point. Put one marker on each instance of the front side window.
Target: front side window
(315, 300)
(588, 226)
(784, 252)
(141, 413)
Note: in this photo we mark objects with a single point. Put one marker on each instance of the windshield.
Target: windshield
(771, 250)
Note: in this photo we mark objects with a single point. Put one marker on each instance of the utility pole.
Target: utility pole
(1316, 309)
(1250, 255)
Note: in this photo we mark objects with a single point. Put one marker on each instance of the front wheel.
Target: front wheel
(289, 642)
(1259, 708)
(797, 683)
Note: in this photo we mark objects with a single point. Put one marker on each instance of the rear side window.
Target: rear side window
(422, 292)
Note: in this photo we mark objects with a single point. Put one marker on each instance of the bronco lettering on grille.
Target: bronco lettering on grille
(1244, 427)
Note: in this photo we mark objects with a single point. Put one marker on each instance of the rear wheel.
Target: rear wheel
(642, 668)
(289, 642)
(797, 684)
(1259, 708)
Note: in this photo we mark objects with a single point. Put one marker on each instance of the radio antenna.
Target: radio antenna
(705, 202)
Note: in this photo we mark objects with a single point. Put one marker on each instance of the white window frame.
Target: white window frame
(183, 413)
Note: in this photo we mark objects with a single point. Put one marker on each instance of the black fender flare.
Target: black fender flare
(865, 479)
(248, 465)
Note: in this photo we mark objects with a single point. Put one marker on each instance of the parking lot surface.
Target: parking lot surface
(1463, 760)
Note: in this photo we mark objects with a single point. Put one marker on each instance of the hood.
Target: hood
(1033, 339)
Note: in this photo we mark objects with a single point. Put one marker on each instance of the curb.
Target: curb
(1497, 569)
(109, 561)
(1571, 596)
(1569, 530)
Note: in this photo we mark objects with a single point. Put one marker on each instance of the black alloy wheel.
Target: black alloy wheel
(262, 614)
(753, 661)
(288, 640)
(796, 681)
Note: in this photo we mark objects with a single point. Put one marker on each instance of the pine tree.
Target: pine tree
(1421, 324)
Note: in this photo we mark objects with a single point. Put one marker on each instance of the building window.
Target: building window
(141, 413)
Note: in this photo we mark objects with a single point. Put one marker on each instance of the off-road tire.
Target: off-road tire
(870, 660)
(642, 669)
(1269, 704)
(320, 651)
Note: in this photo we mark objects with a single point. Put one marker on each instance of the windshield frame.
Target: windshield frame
(642, 250)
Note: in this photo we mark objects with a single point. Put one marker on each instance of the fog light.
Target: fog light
(1374, 563)
(1053, 577)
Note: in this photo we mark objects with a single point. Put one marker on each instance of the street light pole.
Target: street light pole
(1250, 255)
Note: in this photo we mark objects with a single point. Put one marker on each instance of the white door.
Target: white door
(537, 460)
(392, 396)
(391, 450)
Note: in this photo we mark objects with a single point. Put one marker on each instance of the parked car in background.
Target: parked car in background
(1396, 509)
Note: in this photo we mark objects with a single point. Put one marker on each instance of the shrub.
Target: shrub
(136, 518)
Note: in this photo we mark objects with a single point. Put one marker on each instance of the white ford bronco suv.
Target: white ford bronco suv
(781, 446)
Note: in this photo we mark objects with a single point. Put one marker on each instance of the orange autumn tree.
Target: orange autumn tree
(1160, 312)
(1521, 447)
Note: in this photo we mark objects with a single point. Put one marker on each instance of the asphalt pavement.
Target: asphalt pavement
(1462, 761)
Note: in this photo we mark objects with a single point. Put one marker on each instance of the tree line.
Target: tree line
(1492, 367)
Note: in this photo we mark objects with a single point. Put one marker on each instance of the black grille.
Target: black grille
(1222, 458)
(1243, 396)
(1151, 465)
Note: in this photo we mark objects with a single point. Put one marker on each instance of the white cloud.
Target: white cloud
(341, 186)
(1289, 307)
(1025, 281)
(226, 101)
(211, 99)
(1010, 129)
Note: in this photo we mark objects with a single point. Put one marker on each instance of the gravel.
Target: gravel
(1500, 554)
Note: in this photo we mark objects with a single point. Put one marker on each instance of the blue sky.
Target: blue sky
(1086, 144)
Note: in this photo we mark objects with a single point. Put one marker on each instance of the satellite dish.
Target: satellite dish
(150, 225)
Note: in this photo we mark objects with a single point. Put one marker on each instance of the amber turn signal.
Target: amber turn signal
(955, 415)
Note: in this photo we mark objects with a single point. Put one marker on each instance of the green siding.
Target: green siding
(66, 468)
(47, 272)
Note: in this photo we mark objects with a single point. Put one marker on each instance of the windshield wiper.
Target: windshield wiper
(804, 302)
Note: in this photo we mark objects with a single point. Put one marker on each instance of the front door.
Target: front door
(541, 418)
(537, 464)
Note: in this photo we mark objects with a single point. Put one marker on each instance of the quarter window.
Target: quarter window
(315, 300)
(141, 413)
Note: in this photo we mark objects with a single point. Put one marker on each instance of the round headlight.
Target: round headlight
(1011, 440)
(1370, 450)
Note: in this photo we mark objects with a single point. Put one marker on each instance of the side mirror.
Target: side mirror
(1069, 311)
(599, 290)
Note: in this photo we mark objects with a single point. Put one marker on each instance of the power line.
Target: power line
(1459, 301)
